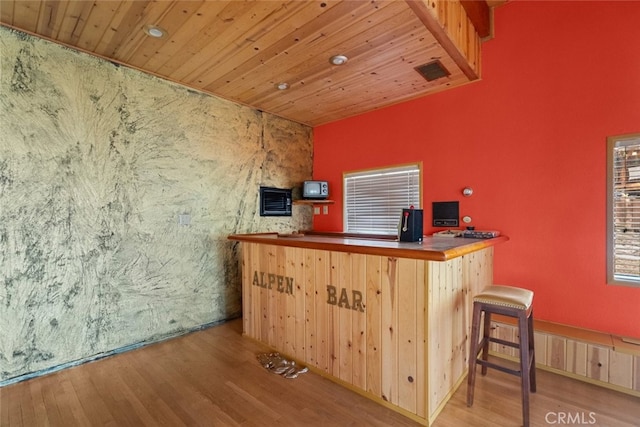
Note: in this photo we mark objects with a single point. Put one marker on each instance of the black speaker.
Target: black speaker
(411, 225)
(446, 214)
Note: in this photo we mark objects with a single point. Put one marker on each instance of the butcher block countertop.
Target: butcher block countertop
(431, 248)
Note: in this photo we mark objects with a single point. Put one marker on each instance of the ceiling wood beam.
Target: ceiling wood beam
(480, 15)
(438, 30)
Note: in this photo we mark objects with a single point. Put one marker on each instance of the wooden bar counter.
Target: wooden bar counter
(388, 319)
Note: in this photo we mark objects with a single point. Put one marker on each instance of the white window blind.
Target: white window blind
(374, 199)
(623, 216)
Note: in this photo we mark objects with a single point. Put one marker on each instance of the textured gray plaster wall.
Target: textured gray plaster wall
(97, 163)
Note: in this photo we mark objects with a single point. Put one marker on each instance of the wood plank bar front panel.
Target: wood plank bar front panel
(374, 326)
(394, 329)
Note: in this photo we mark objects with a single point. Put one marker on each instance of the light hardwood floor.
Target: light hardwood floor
(212, 378)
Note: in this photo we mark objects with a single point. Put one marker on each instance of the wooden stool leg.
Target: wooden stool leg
(532, 371)
(486, 333)
(524, 364)
(473, 352)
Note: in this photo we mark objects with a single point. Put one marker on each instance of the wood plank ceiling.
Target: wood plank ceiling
(241, 50)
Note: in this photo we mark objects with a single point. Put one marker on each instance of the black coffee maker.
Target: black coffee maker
(410, 229)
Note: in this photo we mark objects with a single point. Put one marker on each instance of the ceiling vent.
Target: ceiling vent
(433, 70)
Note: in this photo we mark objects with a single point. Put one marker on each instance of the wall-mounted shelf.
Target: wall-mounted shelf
(313, 202)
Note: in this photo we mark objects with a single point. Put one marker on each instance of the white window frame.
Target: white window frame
(623, 210)
(384, 205)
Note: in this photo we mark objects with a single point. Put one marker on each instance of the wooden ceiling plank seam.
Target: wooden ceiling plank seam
(81, 22)
(65, 21)
(338, 110)
(125, 19)
(153, 52)
(75, 15)
(338, 40)
(25, 15)
(178, 37)
(377, 43)
(426, 15)
(364, 62)
(296, 46)
(98, 23)
(140, 43)
(51, 17)
(328, 117)
(339, 98)
(6, 11)
(309, 47)
(201, 48)
(385, 83)
(311, 57)
(324, 89)
(238, 47)
(45, 17)
(242, 50)
(340, 37)
(273, 101)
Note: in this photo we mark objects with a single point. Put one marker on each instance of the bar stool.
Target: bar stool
(513, 302)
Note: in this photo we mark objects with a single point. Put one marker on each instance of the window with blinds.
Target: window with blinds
(623, 210)
(374, 199)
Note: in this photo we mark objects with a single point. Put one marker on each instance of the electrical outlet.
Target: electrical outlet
(316, 210)
(325, 210)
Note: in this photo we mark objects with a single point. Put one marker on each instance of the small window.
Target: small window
(374, 199)
(623, 210)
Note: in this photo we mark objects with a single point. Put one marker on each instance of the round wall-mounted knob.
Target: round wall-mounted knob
(467, 191)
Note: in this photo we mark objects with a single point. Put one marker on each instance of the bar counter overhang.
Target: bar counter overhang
(387, 319)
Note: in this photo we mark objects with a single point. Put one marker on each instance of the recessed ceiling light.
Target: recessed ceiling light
(282, 86)
(338, 59)
(155, 31)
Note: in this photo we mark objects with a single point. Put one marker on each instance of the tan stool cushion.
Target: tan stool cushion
(506, 296)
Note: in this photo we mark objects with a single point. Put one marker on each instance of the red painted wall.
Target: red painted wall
(530, 138)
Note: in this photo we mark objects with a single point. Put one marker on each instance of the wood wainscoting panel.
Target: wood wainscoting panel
(359, 322)
(636, 373)
(374, 326)
(576, 357)
(598, 363)
(300, 314)
(507, 333)
(620, 365)
(411, 338)
(321, 269)
(556, 352)
(540, 341)
(389, 326)
(309, 290)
